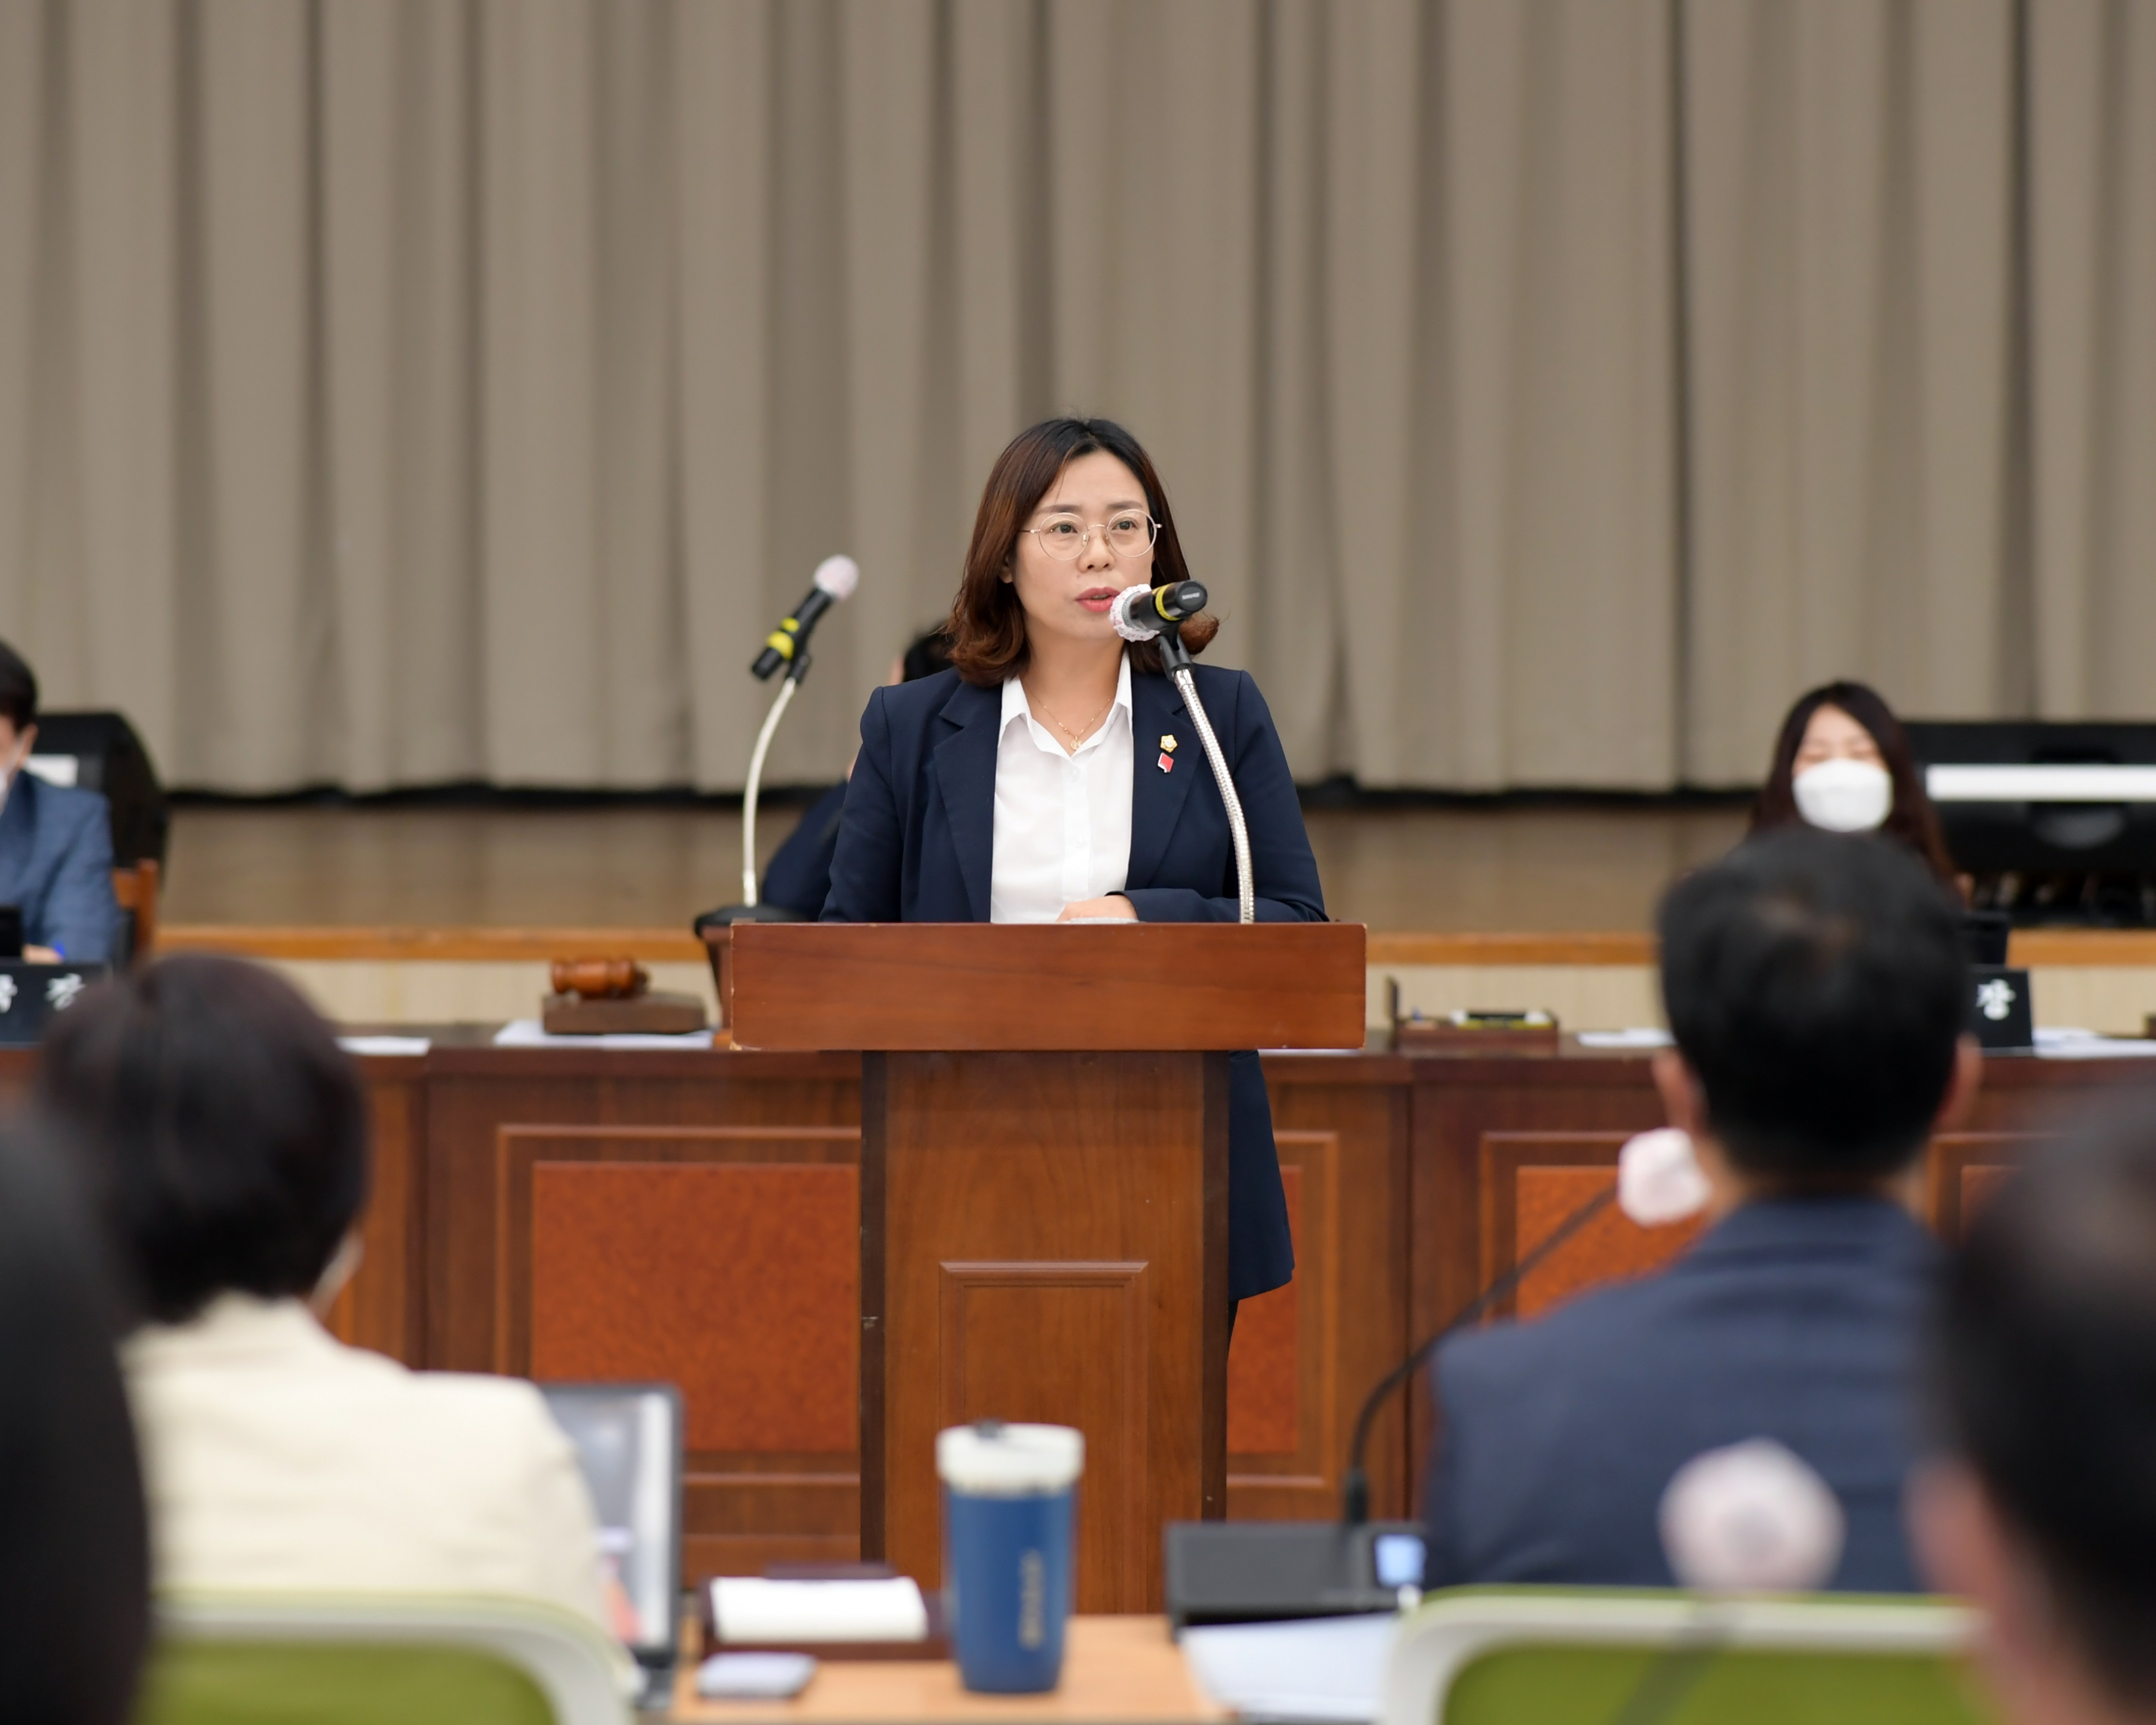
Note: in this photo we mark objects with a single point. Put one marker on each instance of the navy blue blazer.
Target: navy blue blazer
(798, 878)
(917, 843)
(56, 864)
(1797, 1320)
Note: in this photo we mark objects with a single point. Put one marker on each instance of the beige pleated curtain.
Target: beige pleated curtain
(394, 392)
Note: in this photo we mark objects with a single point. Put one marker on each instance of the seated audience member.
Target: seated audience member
(55, 844)
(74, 1560)
(1843, 764)
(2042, 1508)
(226, 1139)
(798, 877)
(1816, 990)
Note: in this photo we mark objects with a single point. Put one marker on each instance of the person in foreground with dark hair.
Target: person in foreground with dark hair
(55, 842)
(1053, 772)
(1842, 764)
(2041, 1507)
(225, 1137)
(74, 1558)
(1817, 992)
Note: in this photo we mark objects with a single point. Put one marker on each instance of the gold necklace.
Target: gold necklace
(1074, 735)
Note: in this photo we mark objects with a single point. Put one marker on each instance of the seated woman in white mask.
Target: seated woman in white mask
(1842, 764)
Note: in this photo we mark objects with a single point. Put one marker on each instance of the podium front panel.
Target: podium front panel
(1045, 1237)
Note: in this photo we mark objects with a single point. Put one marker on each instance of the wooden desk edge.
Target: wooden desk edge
(1117, 1670)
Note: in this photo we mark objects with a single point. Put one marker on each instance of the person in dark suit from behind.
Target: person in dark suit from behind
(798, 878)
(74, 1562)
(1053, 773)
(55, 843)
(1816, 989)
(2039, 1506)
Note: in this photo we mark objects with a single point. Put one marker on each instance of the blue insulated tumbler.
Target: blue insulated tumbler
(1009, 1515)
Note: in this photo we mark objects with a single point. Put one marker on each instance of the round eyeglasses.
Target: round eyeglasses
(1129, 532)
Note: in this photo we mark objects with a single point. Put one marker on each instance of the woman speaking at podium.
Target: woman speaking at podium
(1053, 773)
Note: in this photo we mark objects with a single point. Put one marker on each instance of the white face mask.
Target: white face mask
(1844, 796)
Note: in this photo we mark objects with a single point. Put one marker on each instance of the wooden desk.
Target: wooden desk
(695, 1217)
(1117, 1670)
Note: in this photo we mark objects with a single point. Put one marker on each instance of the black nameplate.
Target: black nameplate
(33, 995)
(1998, 1010)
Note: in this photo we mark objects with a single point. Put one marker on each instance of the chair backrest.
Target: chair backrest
(135, 889)
(1513, 1655)
(237, 1660)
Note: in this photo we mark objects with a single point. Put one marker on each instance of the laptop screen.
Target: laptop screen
(628, 1438)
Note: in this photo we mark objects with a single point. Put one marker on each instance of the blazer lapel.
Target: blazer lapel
(964, 765)
(1157, 797)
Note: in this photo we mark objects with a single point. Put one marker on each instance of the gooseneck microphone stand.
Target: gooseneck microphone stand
(1177, 657)
(757, 912)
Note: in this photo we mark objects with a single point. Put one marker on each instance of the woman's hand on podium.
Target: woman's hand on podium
(1115, 908)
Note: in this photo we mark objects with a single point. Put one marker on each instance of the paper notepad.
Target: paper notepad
(1328, 1668)
(752, 1612)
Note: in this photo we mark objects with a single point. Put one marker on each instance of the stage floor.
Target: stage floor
(1535, 866)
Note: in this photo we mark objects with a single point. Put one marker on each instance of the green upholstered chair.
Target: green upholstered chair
(1556, 1655)
(252, 1660)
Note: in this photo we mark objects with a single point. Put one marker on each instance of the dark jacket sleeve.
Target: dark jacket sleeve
(798, 877)
(80, 917)
(1283, 872)
(865, 866)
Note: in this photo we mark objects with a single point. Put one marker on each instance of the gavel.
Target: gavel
(600, 978)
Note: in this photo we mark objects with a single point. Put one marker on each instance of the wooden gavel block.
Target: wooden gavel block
(600, 978)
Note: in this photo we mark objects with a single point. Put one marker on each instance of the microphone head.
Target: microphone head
(1132, 614)
(839, 577)
(1183, 601)
(1659, 1179)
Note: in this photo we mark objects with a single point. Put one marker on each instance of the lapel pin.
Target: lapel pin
(1167, 745)
(1166, 763)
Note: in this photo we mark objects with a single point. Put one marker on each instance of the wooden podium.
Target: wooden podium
(1045, 1191)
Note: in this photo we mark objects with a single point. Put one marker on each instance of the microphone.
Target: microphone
(1658, 1182)
(835, 579)
(1140, 613)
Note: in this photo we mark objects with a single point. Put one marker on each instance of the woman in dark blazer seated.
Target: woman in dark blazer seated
(1052, 772)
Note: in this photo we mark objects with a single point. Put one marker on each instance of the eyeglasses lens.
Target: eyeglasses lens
(1128, 536)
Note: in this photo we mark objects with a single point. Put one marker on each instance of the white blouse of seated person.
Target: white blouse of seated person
(226, 1134)
(279, 1459)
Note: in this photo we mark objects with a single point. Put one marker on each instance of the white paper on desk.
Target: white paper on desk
(527, 1032)
(1331, 1669)
(1639, 1036)
(2065, 1044)
(754, 1676)
(384, 1045)
(751, 1611)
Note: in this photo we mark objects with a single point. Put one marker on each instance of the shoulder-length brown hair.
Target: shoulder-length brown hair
(1911, 820)
(988, 623)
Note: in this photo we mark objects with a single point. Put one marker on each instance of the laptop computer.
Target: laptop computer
(629, 1439)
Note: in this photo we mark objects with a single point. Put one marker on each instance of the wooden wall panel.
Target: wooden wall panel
(1966, 1168)
(474, 1094)
(720, 1259)
(738, 1283)
(383, 1307)
(1342, 1130)
(1532, 1182)
(1265, 1356)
